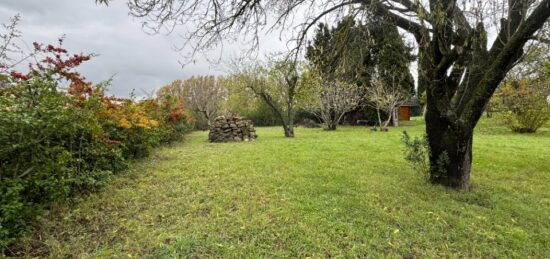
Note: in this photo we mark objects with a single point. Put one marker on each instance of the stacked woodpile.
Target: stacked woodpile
(231, 129)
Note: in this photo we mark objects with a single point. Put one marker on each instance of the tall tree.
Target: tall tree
(353, 52)
(457, 65)
(392, 56)
(357, 49)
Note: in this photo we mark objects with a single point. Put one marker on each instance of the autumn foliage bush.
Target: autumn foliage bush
(61, 136)
(525, 103)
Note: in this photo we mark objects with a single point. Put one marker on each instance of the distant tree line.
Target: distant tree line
(334, 80)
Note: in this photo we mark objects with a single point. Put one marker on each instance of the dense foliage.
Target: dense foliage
(525, 104)
(61, 135)
(523, 99)
(353, 51)
(358, 53)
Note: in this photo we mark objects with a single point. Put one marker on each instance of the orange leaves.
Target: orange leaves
(176, 114)
(130, 114)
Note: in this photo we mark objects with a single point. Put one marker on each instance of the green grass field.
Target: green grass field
(347, 193)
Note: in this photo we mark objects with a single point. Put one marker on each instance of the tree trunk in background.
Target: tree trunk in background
(488, 110)
(395, 117)
(379, 118)
(331, 125)
(330, 120)
(289, 130)
(288, 123)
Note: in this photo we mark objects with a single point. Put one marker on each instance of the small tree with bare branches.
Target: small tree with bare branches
(386, 98)
(331, 99)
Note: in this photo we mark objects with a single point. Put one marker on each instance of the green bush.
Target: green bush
(525, 104)
(56, 144)
(417, 153)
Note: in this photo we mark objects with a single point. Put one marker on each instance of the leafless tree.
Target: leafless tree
(331, 99)
(387, 98)
(203, 95)
(458, 66)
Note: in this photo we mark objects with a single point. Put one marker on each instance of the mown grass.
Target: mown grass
(347, 193)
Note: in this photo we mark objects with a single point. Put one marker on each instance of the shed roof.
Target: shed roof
(413, 101)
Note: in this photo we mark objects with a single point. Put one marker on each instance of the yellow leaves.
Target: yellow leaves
(142, 123)
(123, 123)
(131, 115)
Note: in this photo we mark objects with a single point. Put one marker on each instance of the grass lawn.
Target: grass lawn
(347, 193)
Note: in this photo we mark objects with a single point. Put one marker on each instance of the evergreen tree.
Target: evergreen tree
(341, 52)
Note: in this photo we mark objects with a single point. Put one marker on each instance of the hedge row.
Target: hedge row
(55, 144)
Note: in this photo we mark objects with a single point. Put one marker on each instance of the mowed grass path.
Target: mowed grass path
(347, 193)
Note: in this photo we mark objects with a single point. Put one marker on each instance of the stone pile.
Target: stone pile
(231, 129)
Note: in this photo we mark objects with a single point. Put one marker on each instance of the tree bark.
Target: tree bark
(450, 151)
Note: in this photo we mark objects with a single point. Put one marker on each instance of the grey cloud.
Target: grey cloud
(140, 61)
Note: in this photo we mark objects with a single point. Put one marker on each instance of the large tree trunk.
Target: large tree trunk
(450, 151)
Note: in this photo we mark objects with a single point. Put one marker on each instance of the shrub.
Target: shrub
(417, 153)
(526, 105)
(55, 144)
(47, 151)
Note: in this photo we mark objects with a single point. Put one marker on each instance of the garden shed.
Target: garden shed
(405, 109)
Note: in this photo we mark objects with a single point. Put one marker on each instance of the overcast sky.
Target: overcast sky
(137, 60)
